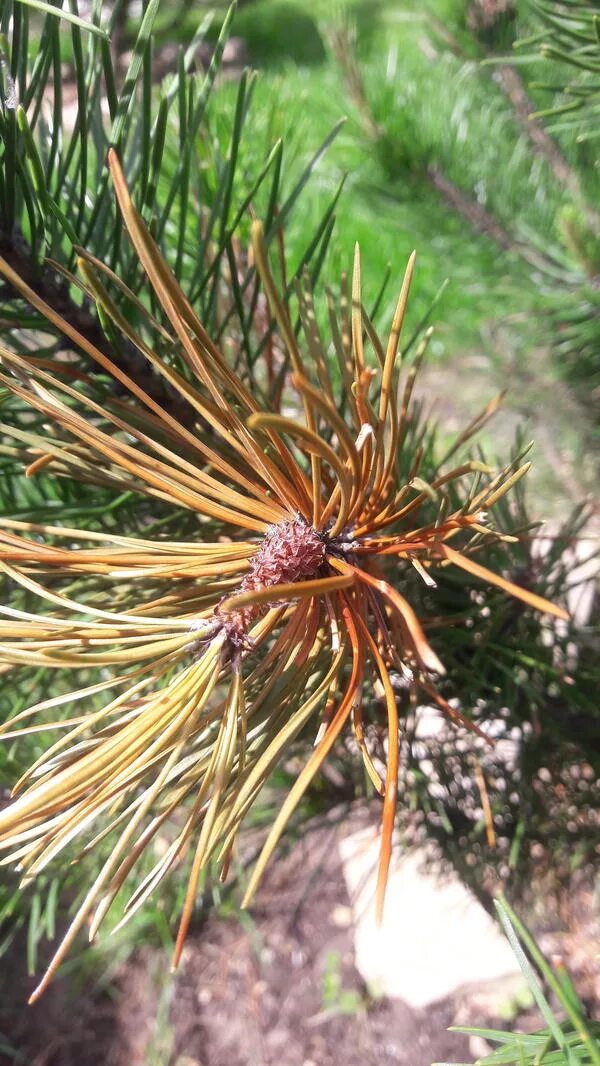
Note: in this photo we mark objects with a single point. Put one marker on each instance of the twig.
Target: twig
(55, 292)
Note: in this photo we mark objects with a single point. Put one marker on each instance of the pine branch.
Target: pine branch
(479, 218)
(509, 80)
(54, 290)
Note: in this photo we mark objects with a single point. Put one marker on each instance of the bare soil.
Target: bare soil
(277, 987)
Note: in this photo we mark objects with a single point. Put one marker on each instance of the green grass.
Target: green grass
(570, 1038)
(434, 109)
(386, 218)
(437, 107)
(440, 109)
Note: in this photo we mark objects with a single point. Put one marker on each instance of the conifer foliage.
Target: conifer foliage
(224, 513)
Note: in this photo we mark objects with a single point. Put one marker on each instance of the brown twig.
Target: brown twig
(55, 292)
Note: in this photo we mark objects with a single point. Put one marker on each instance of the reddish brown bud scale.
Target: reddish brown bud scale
(290, 551)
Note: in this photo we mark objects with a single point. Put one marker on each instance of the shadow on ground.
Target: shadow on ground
(277, 988)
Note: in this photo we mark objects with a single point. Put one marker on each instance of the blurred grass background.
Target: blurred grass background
(437, 157)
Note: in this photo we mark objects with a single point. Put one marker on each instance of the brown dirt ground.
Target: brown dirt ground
(275, 988)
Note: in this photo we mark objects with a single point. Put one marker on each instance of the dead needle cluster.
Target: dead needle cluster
(221, 652)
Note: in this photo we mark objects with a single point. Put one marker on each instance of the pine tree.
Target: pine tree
(185, 412)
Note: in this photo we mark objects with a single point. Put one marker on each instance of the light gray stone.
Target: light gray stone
(435, 938)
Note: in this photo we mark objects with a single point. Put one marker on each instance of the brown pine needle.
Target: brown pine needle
(279, 616)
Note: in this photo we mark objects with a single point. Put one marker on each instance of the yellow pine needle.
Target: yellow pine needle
(276, 617)
(482, 572)
(293, 591)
